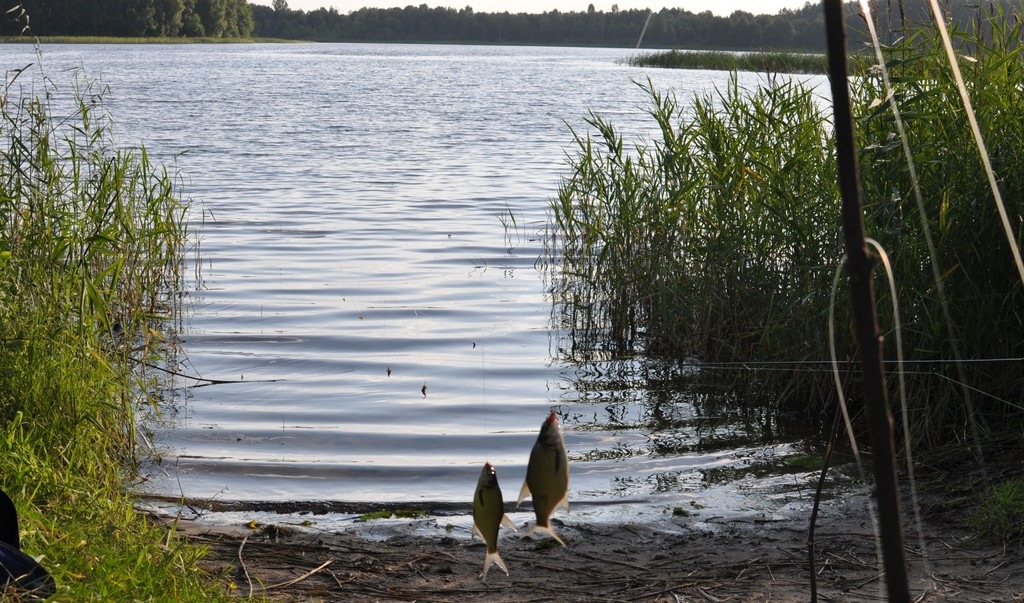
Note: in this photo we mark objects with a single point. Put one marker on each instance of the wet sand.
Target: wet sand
(687, 557)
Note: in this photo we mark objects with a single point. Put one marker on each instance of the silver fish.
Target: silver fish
(489, 516)
(547, 477)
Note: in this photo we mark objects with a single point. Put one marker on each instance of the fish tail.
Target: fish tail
(495, 559)
(544, 530)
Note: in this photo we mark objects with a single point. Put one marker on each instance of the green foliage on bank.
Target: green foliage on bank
(136, 18)
(91, 243)
(716, 242)
(46, 40)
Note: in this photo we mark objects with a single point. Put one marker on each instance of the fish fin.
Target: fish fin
(495, 559)
(545, 530)
(564, 503)
(523, 493)
(508, 523)
(477, 532)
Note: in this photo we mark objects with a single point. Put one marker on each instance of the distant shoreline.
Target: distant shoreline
(149, 40)
(771, 61)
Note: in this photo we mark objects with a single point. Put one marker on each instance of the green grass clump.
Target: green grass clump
(91, 243)
(1000, 515)
(382, 514)
(388, 514)
(409, 513)
(715, 243)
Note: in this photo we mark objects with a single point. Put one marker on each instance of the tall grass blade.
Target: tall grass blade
(954, 65)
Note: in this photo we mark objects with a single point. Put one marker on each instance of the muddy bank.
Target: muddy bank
(694, 555)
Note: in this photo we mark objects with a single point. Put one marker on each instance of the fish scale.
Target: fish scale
(547, 477)
(489, 516)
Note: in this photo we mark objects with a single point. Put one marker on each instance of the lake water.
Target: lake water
(369, 221)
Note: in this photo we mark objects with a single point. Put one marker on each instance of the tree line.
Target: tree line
(800, 29)
(803, 28)
(129, 18)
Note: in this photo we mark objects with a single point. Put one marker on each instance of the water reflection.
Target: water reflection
(354, 204)
(669, 402)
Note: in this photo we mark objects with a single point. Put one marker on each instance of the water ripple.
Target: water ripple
(354, 206)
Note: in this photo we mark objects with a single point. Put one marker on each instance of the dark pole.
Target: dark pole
(859, 265)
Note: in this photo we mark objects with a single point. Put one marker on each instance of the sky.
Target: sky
(719, 7)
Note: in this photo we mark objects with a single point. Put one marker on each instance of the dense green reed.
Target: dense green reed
(767, 62)
(718, 241)
(91, 243)
(980, 285)
(707, 242)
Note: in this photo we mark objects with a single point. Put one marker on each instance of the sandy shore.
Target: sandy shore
(693, 557)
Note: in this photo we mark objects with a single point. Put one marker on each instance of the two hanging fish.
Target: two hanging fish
(547, 481)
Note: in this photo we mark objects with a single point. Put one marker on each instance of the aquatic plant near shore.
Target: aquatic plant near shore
(763, 62)
(705, 243)
(715, 243)
(91, 244)
(951, 258)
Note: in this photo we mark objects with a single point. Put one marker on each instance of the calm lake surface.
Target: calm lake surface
(362, 209)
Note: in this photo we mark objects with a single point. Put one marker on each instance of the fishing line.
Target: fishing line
(980, 391)
(423, 390)
(483, 391)
(755, 365)
(387, 351)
